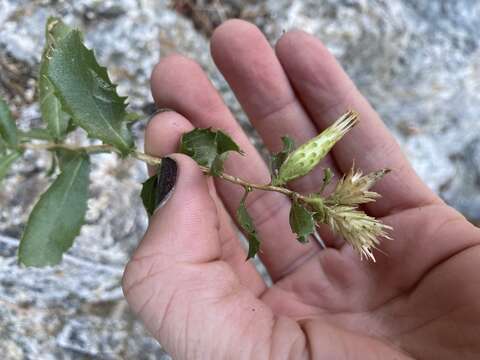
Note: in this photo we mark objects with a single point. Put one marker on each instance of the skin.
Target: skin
(188, 280)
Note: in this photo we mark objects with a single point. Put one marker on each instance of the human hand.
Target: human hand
(188, 279)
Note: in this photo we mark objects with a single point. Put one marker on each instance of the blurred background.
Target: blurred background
(417, 61)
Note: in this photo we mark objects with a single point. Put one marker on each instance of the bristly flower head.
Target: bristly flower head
(354, 188)
(361, 231)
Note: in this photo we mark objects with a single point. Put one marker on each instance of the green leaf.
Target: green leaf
(36, 133)
(57, 120)
(3, 146)
(327, 178)
(208, 148)
(8, 127)
(6, 162)
(225, 143)
(87, 94)
(246, 223)
(64, 156)
(157, 189)
(278, 158)
(217, 166)
(148, 194)
(301, 222)
(57, 217)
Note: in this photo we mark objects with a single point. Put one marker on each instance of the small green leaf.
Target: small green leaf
(133, 117)
(57, 217)
(56, 119)
(278, 158)
(87, 94)
(8, 127)
(327, 178)
(208, 148)
(157, 189)
(301, 222)
(148, 194)
(6, 162)
(200, 145)
(36, 133)
(246, 223)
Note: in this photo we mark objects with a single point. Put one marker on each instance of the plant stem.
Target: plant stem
(152, 160)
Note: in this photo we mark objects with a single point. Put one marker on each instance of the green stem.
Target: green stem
(152, 160)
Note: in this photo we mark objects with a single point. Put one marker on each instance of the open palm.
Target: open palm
(188, 279)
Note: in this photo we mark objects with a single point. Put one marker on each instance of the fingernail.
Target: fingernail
(166, 178)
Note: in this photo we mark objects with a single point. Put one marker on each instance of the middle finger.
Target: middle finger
(249, 64)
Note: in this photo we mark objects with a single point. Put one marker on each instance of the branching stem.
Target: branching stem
(152, 160)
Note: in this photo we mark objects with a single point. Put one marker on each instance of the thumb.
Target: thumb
(184, 228)
(190, 301)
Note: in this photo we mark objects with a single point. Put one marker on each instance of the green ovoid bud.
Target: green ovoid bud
(306, 157)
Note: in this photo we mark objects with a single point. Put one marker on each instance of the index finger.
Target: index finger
(327, 92)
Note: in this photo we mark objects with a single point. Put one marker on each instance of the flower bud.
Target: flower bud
(306, 157)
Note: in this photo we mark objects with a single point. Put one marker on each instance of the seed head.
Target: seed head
(361, 231)
(306, 157)
(353, 188)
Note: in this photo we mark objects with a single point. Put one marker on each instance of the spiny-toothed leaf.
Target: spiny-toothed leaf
(246, 223)
(36, 133)
(301, 222)
(208, 148)
(225, 143)
(52, 114)
(8, 127)
(87, 94)
(6, 162)
(278, 158)
(57, 217)
(158, 187)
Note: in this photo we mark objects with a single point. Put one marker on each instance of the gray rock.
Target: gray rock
(416, 61)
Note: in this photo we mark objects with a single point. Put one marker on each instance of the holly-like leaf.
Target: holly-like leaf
(56, 119)
(208, 148)
(225, 143)
(87, 94)
(200, 145)
(301, 222)
(8, 127)
(278, 158)
(6, 162)
(246, 223)
(57, 217)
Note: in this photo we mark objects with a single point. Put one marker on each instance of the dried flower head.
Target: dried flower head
(361, 231)
(354, 188)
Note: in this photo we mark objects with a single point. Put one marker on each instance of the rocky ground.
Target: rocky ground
(417, 61)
